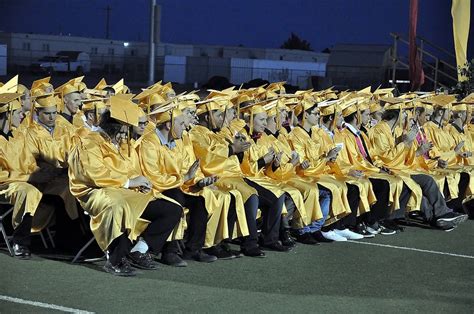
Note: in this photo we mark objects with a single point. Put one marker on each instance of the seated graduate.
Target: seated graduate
(106, 179)
(17, 164)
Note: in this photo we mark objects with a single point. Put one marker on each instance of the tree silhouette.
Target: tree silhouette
(296, 43)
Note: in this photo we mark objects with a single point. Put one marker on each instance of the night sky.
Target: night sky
(251, 23)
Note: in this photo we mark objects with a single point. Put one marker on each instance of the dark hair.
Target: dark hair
(327, 118)
(456, 114)
(438, 109)
(109, 89)
(109, 125)
(350, 117)
(390, 114)
(419, 110)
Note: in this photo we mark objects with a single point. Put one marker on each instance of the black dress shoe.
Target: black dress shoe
(277, 247)
(286, 238)
(219, 252)
(253, 252)
(318, 236)
(21, 251)
(173, 259)
(306, 238)
(142, 260)
(199, 256)
(122, 268)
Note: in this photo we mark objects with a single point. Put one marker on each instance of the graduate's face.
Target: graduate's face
(312, 116)
(271, 122)
(179, 126)
(446, 115)
(26, 102)
(72, 102)
(47, 116)
(283, 115)
(142, 123)
(462, 115)
(217, 119)
(421, 117)
(365, 117)
(428, 114)
(259, 122)
(377, 116)
(190, 116)
(230, 114)
(17, 116)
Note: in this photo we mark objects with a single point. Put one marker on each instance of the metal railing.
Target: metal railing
(441, 73)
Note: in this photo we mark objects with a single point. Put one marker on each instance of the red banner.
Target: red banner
(417, 76)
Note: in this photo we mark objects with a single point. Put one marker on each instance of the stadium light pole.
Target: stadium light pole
(151, 48)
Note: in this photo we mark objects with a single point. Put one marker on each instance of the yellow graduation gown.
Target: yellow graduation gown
(98, 172)
(166, 169)
(443, 147)
(318, 172)
(286, 174)
(350, 157)
(341, 168)
(212, 150)
(16, 165)
(53, 149)
(384, 152)
(467, 164)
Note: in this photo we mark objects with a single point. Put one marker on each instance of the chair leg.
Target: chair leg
(43, 240)
(78, 255)
(7, 241)
(53, 244)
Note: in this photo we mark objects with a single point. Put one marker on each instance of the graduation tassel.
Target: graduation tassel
(129, 144)
(251, 123)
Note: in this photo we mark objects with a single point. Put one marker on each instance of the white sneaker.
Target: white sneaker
(349, 235)
(331, 235)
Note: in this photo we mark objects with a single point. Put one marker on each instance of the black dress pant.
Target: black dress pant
(251, 208)
(22, 233)
(379, 210)
(163, 216)
(197, 220)
(271, 208)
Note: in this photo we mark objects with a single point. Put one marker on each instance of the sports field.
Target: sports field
(418, 270)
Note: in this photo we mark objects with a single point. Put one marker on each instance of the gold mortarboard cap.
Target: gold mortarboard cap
(123, 110)
(277, 87)
(327, 107)
(101, 85)
(166, 112)
(9, 102)
(71, 86)
(21, 89)
(93, 103)
(11, 86)
(349, 107)
(47, 100)
(119, 86)
(42, 84)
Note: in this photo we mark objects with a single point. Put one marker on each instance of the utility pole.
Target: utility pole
(151, 47)
(107, 22)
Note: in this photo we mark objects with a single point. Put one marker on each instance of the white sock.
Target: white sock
(141, 246)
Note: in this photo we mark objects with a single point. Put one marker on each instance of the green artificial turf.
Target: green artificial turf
(347, 277)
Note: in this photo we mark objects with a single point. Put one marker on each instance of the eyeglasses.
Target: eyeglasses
(143, 123)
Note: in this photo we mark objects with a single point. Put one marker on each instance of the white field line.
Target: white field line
(43, 305)
(412, 249)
